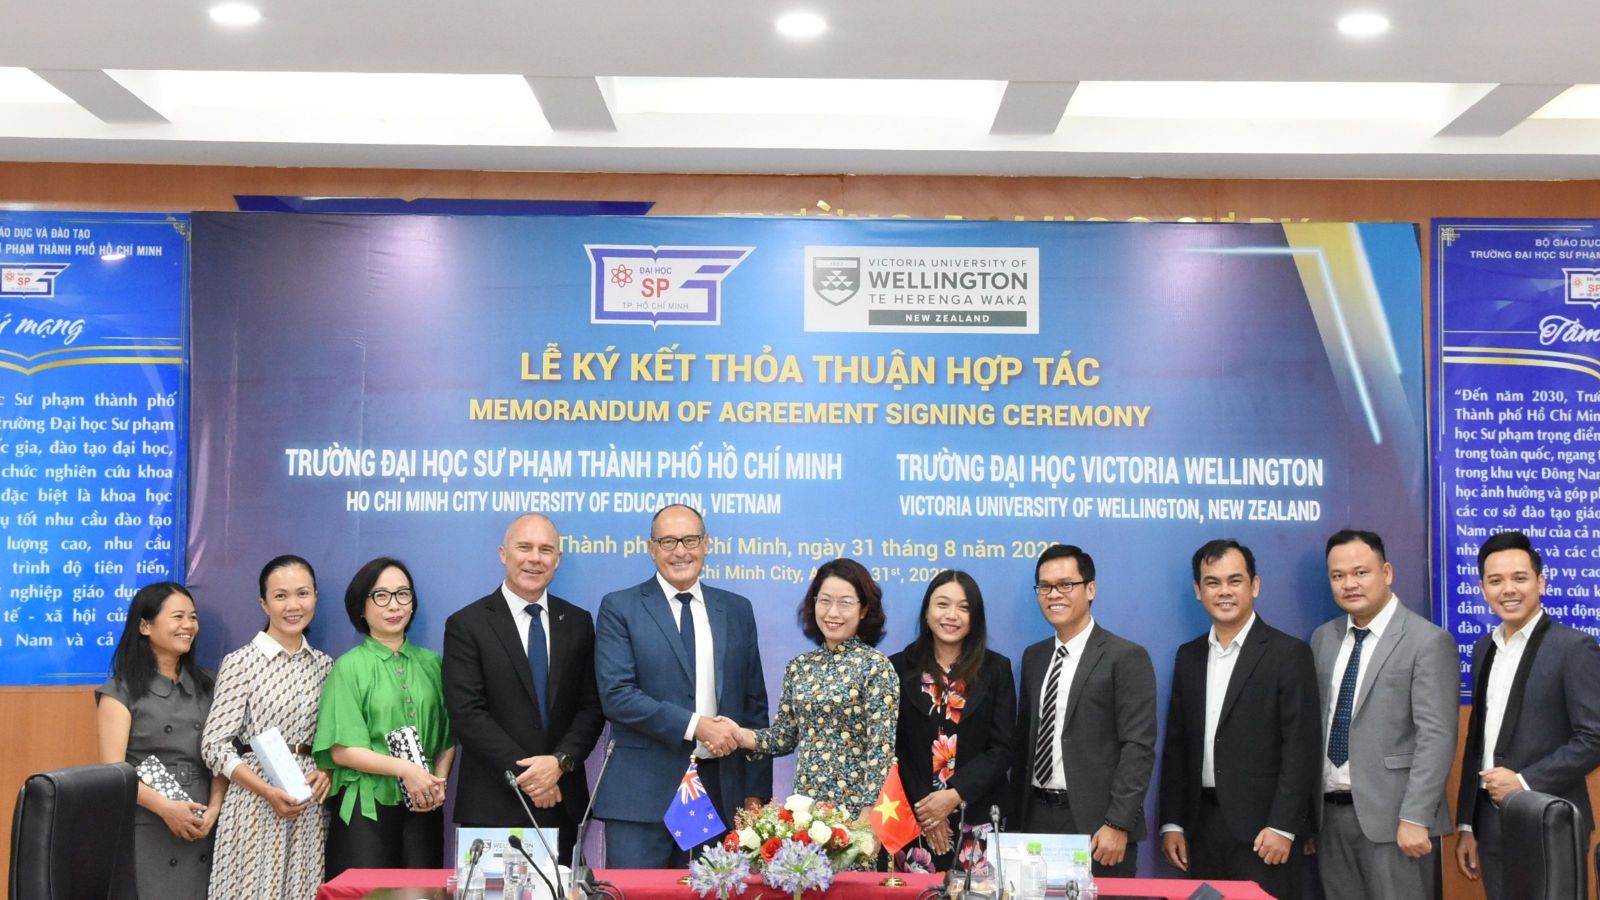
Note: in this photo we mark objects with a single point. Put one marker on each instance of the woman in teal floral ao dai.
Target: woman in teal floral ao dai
(840, 701)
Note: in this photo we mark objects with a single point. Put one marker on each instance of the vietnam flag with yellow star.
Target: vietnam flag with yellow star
(892, 819)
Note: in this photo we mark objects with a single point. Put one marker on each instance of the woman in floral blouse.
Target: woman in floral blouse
(840, 701)
(958, 709)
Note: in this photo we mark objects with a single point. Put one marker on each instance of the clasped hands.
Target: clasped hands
(540, 780)
(722, 735)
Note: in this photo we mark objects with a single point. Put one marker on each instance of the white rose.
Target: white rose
(799, 803)
(802, 819)
(748, 839)
(820, 834)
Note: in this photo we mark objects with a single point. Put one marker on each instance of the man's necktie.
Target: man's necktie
(1339, 734)
(686, 631)
(539, 663)
(1044, 751)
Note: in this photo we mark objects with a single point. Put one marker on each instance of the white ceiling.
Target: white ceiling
(1240, 88)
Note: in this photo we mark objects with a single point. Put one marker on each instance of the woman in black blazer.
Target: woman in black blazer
(958, 708)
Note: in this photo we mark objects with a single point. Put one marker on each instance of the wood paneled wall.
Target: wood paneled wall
(49, 728)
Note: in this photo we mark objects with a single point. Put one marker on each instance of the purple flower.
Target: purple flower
(797, 868)
(719, 871)
(914, 859)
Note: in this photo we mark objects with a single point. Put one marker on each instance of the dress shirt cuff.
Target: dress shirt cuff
(1464, 828)
(694, 722)
(1409, 822)
(1523, 781)
(1172, 828)
(1286, 835)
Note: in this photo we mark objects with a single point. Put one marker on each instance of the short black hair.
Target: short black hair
(1215, 549)
(1350, 535)
(1066, 551)
(870, 630)
(355, 596)
(1509, 540)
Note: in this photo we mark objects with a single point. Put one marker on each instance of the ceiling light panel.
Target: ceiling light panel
(807, 96)
(1581, 101)
(1254, 100)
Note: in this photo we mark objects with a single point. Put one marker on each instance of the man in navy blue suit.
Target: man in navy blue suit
(679, 672)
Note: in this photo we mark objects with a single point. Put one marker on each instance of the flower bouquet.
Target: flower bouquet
(759, 833)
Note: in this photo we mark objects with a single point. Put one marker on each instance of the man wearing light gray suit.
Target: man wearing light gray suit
(1389, 711)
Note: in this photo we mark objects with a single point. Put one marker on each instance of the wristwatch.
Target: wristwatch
(566, 762)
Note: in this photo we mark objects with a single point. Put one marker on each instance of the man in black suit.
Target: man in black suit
(1243, 748)
(1086, 722)
(1535, 722)
(519, 685)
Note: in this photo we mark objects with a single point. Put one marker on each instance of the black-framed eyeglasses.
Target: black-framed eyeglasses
(404, 596)
(1064, 588)
(689, 542)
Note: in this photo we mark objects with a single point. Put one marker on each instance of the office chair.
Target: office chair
(1544, 854)
(72, 835)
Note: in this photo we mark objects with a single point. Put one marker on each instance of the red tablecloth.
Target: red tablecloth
(661, 884)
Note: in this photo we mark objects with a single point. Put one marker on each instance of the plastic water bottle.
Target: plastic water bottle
(1034, 873)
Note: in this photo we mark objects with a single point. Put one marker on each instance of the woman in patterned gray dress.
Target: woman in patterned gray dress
(154, 705)
(268, 846)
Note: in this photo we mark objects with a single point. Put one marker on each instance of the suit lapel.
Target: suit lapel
(719, 639)
(1249, 656)
(504, 628)
(1519, 684)
(560, 649)
(1094, 649)
(1327, 653)
(1380, 654)
(657, 608)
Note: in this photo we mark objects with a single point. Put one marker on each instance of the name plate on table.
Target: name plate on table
(1062, 853)
(497, 845)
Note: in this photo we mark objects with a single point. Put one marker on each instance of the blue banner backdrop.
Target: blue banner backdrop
(1516, 411)
(93, 412)
(919, 395)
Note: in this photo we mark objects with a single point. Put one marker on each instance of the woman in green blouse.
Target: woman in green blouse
(381, 686)
(840, 701)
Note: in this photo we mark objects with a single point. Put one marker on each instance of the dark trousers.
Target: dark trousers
(1216, 855)
(1056, 818)
(399, 839)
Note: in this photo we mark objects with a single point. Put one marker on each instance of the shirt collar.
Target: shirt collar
(1079, 640)
(1522, 635)
(1380, 622)
(852, 643)
(270, 648)
(1238, 639)
(379, 649)
(161, 685)
(672, 592)
(519, 605)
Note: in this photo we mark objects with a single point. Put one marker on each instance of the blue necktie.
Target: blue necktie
(1339, 735)
(539, 663)
(686, 632)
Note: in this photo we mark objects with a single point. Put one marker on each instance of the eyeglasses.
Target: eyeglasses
(383, 598)
(1064, 588)
(689, 542)
(843, 604)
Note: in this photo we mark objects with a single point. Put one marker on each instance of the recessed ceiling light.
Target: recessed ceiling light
(1363, 24)
(235, 14)
(801, 25)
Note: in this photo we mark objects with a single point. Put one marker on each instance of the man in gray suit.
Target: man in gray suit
(1535, 721)
(1086, 722)
(1389, 711)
